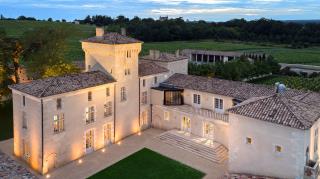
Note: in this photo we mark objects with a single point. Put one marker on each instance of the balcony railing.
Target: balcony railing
(212, 114)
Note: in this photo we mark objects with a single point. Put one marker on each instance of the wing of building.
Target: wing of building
(117, 94)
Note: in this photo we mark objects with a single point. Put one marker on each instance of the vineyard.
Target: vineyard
(312, 84)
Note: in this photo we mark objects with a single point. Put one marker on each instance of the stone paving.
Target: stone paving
(10, 169)
(98, 160)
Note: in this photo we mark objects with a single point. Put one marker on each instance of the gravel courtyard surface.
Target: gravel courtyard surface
(10, 169)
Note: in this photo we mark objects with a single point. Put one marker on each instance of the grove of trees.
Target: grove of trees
(40, 51)
(263, 30)
(236, 70)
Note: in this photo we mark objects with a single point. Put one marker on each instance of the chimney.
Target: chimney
(280, 88)
(99, 31)
(156, 54)
(123, 31)
(177, 53)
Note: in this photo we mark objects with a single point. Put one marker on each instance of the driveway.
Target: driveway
(98, 160)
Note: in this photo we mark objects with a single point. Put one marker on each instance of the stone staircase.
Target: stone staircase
(216, 152)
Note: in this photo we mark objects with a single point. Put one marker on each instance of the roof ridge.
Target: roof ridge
(291, 111)
(250, 102)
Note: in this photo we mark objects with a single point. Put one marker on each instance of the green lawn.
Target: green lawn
(312, 84)
(6, 121)
(74, 51)
(147, 164)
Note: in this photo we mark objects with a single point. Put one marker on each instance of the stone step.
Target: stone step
(216, 154)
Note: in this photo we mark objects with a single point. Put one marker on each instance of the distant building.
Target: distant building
(210, 56)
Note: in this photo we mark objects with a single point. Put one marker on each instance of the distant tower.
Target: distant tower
(117, 55)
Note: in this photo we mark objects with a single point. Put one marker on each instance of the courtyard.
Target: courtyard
(122, 156)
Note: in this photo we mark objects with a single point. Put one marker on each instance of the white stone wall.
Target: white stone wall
(180, 66)
(149, 83)
(60, 148)
(206, 100)
(31, 135)
(260, 157)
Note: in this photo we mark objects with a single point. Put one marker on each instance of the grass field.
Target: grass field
(312, 84)
(74, 51)
(6, 122)
(280, 52)
(147, 164)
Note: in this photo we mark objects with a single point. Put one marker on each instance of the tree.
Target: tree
(50, 19)
(59, 69)
(44, 47)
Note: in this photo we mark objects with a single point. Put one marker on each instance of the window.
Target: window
(23, 101)
(144, 120)
(278, 149)
(127, 71)
(196, 98)
(107, 91)
(59, 103)
(89, 96)
(90, 114)
(128, 54)
(123, 94)
(24, 120)
(58, 123)
(173, 98)
(316, 138)
(144, 98)
(218, 103)
(108, 109)
(107, 133)
(248, 140)
(166, 116)
(155, 80)
(208, 130)
(144, 82)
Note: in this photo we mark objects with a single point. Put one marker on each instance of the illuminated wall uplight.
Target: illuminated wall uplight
(47, 176)
(80, 161)
(119, 143)
(103, 150)
(139, 133)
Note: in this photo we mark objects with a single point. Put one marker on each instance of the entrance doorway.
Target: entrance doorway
(186, 124)
(89, 141)
(107, 133)
(208, 130)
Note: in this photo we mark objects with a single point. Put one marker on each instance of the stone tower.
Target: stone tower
(117, 55)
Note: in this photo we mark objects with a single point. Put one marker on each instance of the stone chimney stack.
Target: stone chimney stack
(178, 53)
(99, 31)
(154, 54)
(123, 31)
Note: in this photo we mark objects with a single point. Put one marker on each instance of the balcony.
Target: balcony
(209, 114)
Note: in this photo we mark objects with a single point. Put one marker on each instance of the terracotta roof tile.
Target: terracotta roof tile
(279, 109)
(112, 38)
(165, 57)
(238, 90)
(62, 84)
(150, 68)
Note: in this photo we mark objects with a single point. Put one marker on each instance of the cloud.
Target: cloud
(226, 10)
(70, 6)
(177, 2)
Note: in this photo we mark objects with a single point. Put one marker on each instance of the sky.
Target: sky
(210, 10)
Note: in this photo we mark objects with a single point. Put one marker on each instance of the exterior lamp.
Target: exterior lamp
(80, 161)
